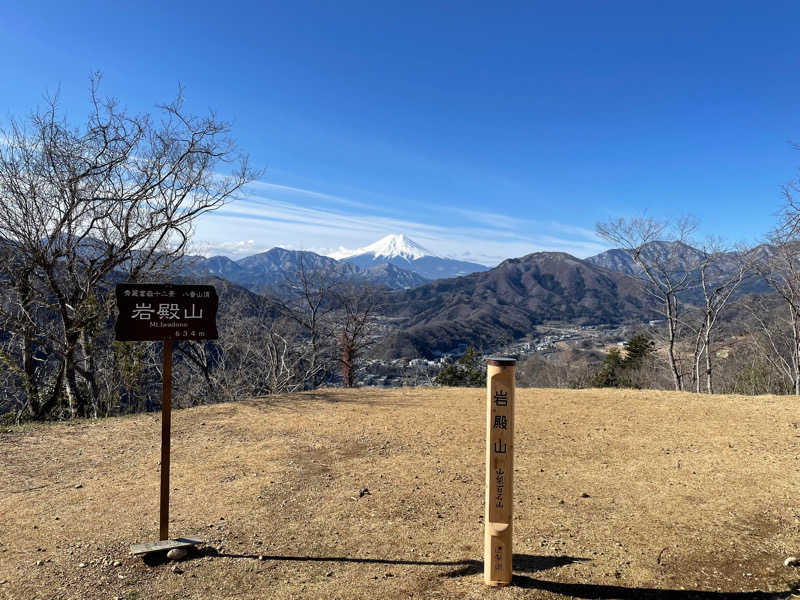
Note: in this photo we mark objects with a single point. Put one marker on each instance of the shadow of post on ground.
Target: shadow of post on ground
(523, 563)
(615, 592)
(526, 563)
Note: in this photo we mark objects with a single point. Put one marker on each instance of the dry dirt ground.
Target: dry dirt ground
(688, 497)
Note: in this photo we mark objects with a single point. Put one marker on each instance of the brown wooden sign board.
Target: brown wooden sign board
(165, 312)
(155, 312)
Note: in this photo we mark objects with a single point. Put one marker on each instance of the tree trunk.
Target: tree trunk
(348, 359)
(76, 403)
(71, 389)
(90, 371)
(709, 383)
(697, 358)
(29, 370)
(671, 317)
(28, 364)
(698, 355)
(314, 356)
(795, 352)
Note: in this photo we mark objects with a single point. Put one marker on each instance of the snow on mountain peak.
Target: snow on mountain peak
(395, 245)
(391, 246)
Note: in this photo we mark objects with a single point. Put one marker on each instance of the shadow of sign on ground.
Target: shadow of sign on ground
(523, 563)
(526, 563)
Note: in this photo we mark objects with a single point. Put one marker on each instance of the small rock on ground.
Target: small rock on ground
(177, 554)
(792, 561)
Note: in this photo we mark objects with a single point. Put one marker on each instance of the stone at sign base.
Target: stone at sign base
(149, 547)
(177, 554)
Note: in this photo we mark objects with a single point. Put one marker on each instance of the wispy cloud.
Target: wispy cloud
(301, 192)
(269, 215)
(515, 223)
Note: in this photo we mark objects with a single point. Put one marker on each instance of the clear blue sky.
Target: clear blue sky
(425, 117)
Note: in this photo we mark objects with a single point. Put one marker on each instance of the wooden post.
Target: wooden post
(497, 550)
(166, 421)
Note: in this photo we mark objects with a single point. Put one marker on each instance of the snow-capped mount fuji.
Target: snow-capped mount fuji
(403, 252)
(391, 246)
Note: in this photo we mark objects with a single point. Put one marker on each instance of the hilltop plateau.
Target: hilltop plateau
(379, 494)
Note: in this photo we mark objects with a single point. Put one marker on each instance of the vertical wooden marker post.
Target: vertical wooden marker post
(166, 423)
(497, 549)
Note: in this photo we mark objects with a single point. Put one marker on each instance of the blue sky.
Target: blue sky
(481, 130)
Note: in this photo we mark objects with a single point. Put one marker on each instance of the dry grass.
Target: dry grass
(685, 493)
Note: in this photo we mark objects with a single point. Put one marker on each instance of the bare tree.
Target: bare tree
(774, 342)
(664, 273)
(778, 262)
(309, 298)
(258, 353)
(780, 269)
(118, 194)
(721, 273)
(358, 305)
(25, 356)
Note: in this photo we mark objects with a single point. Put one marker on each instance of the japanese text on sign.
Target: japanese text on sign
(161, 311)
(499, 447)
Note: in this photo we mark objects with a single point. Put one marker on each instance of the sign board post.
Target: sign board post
(166, 424)
(497, 550)
(165, 312)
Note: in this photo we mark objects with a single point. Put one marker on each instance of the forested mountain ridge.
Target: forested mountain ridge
(499, 305)
(679, 258)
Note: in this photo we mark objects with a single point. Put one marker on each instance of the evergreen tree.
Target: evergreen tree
(610, 372)
(617, 371)
(467, 371)
(637, 349)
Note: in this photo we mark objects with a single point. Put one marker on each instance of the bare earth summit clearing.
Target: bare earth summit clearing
(618, 494)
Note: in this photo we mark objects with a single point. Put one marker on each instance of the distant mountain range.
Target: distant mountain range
(494, 307)
(485, 307)
(394, 261)
(269, 270)
(473, 304)
(677, 255)
(402, 252)
(679, 258)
